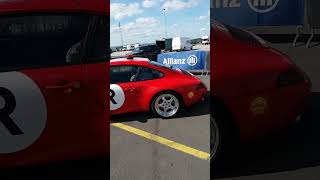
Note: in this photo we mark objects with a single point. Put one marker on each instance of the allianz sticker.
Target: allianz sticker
(258, 105)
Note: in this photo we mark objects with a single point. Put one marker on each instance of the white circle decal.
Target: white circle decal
(117, 97)
(263, 6)
(23, 112)
(192, 60)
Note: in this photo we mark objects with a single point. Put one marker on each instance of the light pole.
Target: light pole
(121, 35)
(165, 22)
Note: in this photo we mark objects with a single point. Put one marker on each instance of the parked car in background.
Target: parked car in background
(181, 44)
(148, 51)
(255, 89)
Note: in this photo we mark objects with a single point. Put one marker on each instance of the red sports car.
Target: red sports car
(138, 84)
(53, 73)
(255, 88)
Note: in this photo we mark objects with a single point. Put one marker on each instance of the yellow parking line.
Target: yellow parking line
(164, 141)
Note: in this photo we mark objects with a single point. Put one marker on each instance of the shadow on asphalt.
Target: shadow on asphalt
(199, 109)
(293, 148)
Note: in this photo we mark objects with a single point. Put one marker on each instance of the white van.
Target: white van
(205, 40)
(132, 47)
(181, 44)
(128, 47)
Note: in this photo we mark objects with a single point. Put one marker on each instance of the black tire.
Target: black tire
(222, 119)
(153, 104)
(216, 144)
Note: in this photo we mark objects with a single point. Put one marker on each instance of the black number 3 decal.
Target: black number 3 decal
(8, 108)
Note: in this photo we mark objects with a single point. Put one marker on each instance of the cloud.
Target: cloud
(139, 24)
(203, 29)
(179, 4)
(121, 10)
(139, 30)
(149, 3)
(201, 18)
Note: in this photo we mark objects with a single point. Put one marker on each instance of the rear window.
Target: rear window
(149, 74)
(41, 40)
(161, 65)
(242, 35)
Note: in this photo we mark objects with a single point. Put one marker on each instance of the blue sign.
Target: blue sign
(186, 60)
(258, 12)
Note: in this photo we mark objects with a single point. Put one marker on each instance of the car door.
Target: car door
(123, 89)
(96, 97)
(147, 84)
(43, 84)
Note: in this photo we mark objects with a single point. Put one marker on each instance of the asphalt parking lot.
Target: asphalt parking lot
(144, 147)
(292, 153)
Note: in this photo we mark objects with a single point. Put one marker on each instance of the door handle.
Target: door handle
(64, 85)
(130, 89)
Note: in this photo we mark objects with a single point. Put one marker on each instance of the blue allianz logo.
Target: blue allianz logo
(259, 6)
(263, 6)
(192, 60)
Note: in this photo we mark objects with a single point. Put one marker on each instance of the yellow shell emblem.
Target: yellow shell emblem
(190, 95)
(258, 106)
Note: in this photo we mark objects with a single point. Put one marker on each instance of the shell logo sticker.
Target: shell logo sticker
(23, 112)
(258, 106)
(190, 95)
(117, 97)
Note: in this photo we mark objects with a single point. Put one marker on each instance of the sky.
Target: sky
(143, 21)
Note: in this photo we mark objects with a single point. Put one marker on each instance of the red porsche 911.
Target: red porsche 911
(138, 84)
(255, 89)
(53, 72)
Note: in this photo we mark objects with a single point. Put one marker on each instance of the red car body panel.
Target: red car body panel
(242, 72)
(32, 6)
(77, 121)
(140, 98)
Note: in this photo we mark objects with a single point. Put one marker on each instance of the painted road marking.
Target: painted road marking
(164, 141)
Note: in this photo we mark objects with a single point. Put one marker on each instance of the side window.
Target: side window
(41, 40)
(123, 74)
(100, 46)
(149, 74)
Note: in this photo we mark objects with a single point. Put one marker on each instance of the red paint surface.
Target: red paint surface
(242, 72)
(78, 123)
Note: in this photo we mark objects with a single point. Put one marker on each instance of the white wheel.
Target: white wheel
(166, 105)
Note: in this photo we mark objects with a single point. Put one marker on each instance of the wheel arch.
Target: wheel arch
(230, 120)
(164, 91)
